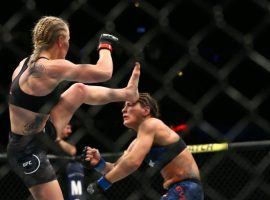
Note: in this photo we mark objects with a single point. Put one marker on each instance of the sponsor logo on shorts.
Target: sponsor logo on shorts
(31, 166)
(180, 192)
(151, 163)
(90, 189)
(27, 163)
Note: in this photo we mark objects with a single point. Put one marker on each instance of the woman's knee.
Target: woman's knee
(79, 90)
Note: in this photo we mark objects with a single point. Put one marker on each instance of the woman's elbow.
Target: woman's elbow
(107, 75)
(73, 151)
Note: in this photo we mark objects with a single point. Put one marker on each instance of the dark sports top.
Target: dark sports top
(159, 156)
(38, 104)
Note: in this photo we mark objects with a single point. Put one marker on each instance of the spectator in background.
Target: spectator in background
(74, 173)
(67, 147)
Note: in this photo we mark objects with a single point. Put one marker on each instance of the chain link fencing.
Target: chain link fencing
(206, 62)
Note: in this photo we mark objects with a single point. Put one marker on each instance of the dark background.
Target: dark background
(220, 46)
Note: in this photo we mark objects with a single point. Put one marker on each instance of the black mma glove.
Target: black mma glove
(85, 163)
(106, 41)
(96, 190)
(99, 167)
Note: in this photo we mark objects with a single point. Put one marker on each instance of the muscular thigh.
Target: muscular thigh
(47, 191)
(69, 102)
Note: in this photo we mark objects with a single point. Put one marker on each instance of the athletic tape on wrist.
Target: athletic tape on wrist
(104, 183)
(105, 46)
(100, 166)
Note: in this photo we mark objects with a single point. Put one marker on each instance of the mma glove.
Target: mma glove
(99, 167)
(85, 163)
(106, 41)
(96, 189)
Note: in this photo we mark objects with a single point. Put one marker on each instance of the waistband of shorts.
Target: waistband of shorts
(15, 135)
(194, 180)
(18, 140)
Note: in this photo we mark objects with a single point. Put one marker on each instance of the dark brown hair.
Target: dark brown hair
(145, 99)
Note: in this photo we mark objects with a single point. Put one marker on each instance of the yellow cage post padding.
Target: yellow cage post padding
(203, 148)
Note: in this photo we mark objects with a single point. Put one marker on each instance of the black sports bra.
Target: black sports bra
(160, 156)
(38, 104)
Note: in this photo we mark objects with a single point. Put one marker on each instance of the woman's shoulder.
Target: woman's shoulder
(21, 63)
(23, 60)
(18, 68)
(153, 123)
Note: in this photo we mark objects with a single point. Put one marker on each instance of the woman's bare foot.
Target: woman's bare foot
(132, 86)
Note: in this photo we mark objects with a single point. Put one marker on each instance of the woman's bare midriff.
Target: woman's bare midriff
(25, 122)
(180, 168)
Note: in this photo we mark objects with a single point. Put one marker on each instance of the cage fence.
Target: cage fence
(206, 62)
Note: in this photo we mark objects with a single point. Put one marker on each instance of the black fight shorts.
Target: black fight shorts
(28, 159)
